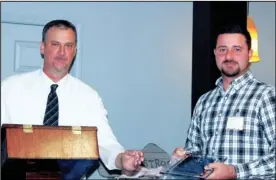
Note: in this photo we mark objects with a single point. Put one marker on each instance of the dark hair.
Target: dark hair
(60, 24)
(234, 28)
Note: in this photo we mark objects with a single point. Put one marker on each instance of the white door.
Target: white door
(20, 48)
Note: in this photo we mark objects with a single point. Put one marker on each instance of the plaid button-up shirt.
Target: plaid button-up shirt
(251, 149)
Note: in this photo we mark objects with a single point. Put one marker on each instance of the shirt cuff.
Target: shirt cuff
(241, 170)
(111, 163)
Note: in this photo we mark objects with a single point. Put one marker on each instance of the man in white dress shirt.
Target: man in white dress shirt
(24, 96)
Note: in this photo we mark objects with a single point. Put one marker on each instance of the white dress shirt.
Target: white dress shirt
(24, 99)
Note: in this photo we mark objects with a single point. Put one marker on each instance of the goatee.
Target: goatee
(227, 73)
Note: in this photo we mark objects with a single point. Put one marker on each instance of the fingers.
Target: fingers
(211, 176)
(212, 166)
(176, 151)
(179, 152)
(207, 173)
(140, 153)
(135, 153)
(134, 157)
(139, 156)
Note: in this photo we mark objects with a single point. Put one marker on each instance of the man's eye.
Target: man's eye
(69, 45)
(54, 44)
(237, 49)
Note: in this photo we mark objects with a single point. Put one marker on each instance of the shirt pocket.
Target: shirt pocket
(252, 131)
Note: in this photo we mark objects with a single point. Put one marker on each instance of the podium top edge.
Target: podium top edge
(83, 128)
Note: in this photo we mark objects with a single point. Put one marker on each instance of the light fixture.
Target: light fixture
(251, 27)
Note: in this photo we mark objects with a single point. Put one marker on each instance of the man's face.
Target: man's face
(59, 50)
(232, 54)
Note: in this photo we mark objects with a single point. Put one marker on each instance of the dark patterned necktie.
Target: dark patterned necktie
(51, 113)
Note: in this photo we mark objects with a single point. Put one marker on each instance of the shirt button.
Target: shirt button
(219, 114)
(225, 98)
(216, 132)
(213, 151)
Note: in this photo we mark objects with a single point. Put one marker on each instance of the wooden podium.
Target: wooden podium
(34, 149)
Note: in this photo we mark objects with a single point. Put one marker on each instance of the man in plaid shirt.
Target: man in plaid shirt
(236, 120)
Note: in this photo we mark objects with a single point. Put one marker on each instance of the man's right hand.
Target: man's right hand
(179, 152)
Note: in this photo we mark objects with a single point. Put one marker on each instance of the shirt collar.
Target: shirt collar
(238, 82)
(61, 83)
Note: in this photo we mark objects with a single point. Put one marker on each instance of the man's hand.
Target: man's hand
(221, 171)
(179, 153)
(130, 161)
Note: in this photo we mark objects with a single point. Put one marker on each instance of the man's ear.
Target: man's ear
(42, 46)
(250, 54)
(76, 50)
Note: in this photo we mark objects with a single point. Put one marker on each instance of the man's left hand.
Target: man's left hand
(221, 171)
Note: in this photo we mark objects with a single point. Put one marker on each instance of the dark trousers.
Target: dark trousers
(75, 169)
(70, 169)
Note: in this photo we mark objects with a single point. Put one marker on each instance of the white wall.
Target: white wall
(263, 14)
(138, 55)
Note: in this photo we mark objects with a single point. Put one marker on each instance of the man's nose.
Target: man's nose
(229, 54)
(61, 50)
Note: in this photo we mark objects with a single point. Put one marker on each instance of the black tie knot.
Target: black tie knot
(54, 87)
